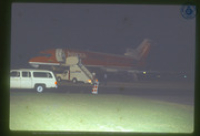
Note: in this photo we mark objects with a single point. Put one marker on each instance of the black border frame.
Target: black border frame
(5, 31)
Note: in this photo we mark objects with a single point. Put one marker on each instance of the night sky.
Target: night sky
(104, 28)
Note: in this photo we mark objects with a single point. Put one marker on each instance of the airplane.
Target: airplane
(131, 60)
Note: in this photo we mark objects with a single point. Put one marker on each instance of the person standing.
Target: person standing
(105, 79)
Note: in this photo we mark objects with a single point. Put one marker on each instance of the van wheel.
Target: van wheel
(40, 88)
(74, 80)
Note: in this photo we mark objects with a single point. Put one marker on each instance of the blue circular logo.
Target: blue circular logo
(188, 11)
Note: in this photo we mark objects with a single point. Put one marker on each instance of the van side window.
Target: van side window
(49, 75)
(26, 74)
(42, 74)
(15, 74)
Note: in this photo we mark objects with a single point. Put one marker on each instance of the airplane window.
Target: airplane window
(48, 55)
(45, 55)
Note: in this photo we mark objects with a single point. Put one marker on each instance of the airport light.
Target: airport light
(144, 72)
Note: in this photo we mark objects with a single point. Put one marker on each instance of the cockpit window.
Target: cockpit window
(45, 55)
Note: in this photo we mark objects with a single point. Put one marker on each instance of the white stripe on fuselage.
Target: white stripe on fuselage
(39, 63)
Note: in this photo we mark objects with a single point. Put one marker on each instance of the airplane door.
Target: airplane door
(15, 79)
(26, 81)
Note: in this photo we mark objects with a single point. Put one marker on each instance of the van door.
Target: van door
(66, 75)
(15, 79)
(26, 81)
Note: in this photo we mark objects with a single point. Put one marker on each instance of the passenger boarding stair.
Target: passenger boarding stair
(86, 71)
(75, 60)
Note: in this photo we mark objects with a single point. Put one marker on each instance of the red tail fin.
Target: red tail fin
(141, 52)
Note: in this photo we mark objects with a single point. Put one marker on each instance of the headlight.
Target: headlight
(90, 81)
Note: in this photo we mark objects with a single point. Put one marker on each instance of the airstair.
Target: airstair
(86, 71)
(75, 60)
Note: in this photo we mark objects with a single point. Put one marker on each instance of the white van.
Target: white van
(32, 78)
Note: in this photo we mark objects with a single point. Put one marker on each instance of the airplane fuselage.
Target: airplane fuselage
(93, 59)
(133, 58)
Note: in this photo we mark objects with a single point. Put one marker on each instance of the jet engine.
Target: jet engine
(60, 55)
